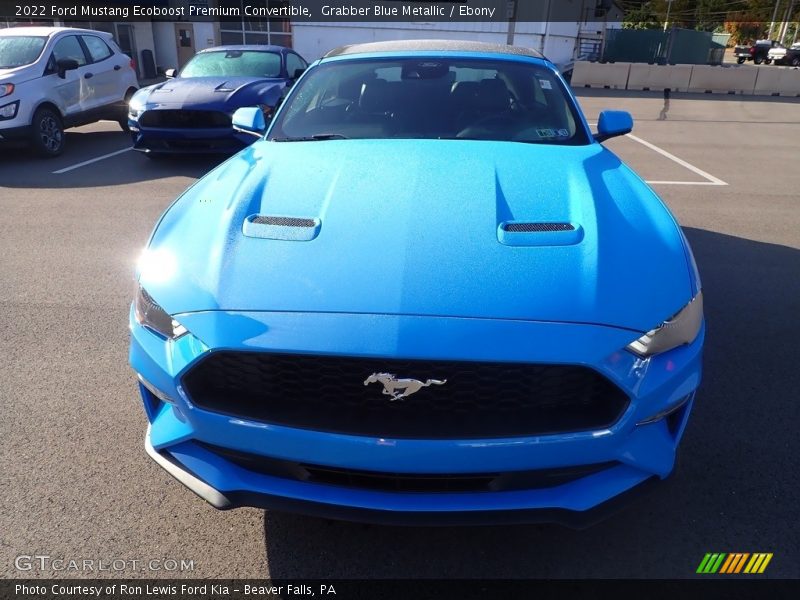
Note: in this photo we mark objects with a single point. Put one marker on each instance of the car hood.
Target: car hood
(413, 227)
(219, 92)
(19, 75)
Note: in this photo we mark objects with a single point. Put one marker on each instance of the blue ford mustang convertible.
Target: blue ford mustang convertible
(192, 112)
(427, 295)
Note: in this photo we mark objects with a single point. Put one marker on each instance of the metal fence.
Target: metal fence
(676, 46)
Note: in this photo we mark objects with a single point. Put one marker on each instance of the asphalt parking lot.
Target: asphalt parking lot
(77, 483)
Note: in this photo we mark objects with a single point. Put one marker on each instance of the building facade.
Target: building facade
(563, 30)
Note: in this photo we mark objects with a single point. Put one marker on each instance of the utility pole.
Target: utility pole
(772, 23)
(669, 6)
(786, 18)
(511, 15)
(546, 35)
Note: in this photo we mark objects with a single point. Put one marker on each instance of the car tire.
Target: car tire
(123, 120)
(740, 60)
(767, 61)
(758, 61)
(796, 61)
(47, 132)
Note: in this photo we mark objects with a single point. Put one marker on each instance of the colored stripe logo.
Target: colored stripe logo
(736, 562)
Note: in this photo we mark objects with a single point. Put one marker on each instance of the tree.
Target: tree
(640, 17)
(703, 15)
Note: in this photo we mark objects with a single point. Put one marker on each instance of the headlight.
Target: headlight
(9, 111)
(680, 329)
(6, 89)
(135, 107)
(152, 316)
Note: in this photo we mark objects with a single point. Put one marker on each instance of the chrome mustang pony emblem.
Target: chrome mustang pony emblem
(400, 388)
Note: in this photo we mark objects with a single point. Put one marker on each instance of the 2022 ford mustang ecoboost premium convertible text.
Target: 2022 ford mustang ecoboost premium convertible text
(428, 295)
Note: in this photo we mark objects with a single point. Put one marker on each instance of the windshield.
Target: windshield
(431, 98)
(17, 50)
(234, 63)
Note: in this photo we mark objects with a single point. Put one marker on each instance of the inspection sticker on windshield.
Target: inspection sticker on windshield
(552, 133)
(545, 83)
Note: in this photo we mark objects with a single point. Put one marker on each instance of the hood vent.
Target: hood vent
(527, 233)
(518, 227)
(284, 221)
(273, 227)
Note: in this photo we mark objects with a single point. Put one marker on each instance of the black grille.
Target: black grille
(478, 400)
(284, 221)
(185, 119)
(408, 482)
(537, 227)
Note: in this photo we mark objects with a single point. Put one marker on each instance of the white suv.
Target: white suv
(57, 77)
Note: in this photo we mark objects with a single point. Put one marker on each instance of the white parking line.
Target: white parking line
(684, 183)
(90, 161)
(711, 179)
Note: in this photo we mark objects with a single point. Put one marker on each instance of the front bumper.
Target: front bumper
(187, 141)
(17, 129)
(323, 508)
(14, 135)
(179, 433)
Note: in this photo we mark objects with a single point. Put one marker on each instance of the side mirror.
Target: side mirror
(250, 120)
(170, 73)
(66, 64)
(297, 73)
(613, 123)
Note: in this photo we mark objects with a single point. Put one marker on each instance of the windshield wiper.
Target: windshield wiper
(317, 137)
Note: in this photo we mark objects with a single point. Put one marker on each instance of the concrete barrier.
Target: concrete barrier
(723, 80)
(659, 77)
(600, 75)
(777, 81)
(742, 79)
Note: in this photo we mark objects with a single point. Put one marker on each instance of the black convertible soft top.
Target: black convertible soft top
(435, 46)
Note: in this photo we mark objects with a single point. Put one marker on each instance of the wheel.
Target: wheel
(758, 60)
(767, 61)
(47, 132)
(796, 61)
(123, 123)
(740, 60)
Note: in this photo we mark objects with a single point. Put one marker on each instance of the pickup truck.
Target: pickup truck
(758, 52)
(786, 56)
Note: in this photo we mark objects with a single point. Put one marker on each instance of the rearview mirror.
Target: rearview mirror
(613, 123)
(170, 73)
(66, 64)
(250, 120)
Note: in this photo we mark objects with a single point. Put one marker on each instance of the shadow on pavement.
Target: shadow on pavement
(20, 167)
(735, 489)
